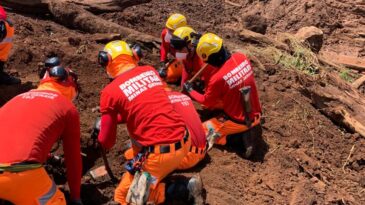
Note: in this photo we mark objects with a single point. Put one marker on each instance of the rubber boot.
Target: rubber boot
(6, 79)
(182, 189)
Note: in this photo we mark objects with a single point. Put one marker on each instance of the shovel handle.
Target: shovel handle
(197, 74)
(106, 163)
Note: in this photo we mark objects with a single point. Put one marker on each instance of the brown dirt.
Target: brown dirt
(305, 150)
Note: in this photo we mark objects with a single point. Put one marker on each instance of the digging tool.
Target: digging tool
(197, 74)
(105, 169)
(245, 94)
(106, 164)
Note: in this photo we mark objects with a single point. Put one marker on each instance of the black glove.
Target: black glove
(3, 32)
(188, 87)
(198, 85)
(96, 129)
(162, 73)
(162, 70)
(76, 202)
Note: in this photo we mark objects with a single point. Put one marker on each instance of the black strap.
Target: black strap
(166, 148)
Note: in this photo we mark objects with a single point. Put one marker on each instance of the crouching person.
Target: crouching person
(184, 106)
(30, 124)
(160, 139)
(233, 89)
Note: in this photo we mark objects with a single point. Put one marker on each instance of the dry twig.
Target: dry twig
(348, 158)
(232, 3)
(357, 83)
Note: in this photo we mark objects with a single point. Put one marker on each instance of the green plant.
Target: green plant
(345, 75)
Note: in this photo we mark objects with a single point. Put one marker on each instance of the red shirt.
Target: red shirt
(165, 47)
(32, 122)
(225, 84)
(184, 106)
(139, 97)
(192, 66)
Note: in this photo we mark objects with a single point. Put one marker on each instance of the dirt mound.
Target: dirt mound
(305, 154)
(342, 21)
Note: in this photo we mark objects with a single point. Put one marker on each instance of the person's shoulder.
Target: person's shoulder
(217, 77)
(66, 103)
(239, 56)
(146, 67)
(108, 89)
(164, 31)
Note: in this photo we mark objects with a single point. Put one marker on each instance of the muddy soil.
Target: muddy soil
(302, 158)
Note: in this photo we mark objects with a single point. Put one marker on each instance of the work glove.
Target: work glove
(76, 202)
(96, 129)
(162, 70)
(198, 85)
(188, 87)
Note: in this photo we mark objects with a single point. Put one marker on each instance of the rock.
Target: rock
(255, 23)
(311, 35)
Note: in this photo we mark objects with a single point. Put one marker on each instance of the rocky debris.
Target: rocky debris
(312, 36)
(338, 100)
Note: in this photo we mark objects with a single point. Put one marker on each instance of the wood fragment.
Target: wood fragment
(354, 66)
(348, 158)
(329, 63)
(337, 100)
(232, 3)
(359, 82)
(257, 38)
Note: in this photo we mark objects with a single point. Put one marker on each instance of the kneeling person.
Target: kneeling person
(30, 124)
(184, 106)
(227, 85)
(159, 134)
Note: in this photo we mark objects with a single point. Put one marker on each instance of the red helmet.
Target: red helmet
(2, 13)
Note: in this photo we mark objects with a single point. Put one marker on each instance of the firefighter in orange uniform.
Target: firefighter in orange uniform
(30, 124)
(160, 139)
(170, 70)
(234, 73)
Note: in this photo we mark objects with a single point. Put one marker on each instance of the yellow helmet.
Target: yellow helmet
(176, 21)
(116, 48)
(184, 33)
(208, 44)
(182, 37)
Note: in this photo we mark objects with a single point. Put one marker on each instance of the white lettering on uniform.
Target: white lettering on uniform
(32, 95)
(183, 99)
(140, 83)
(240, 73)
